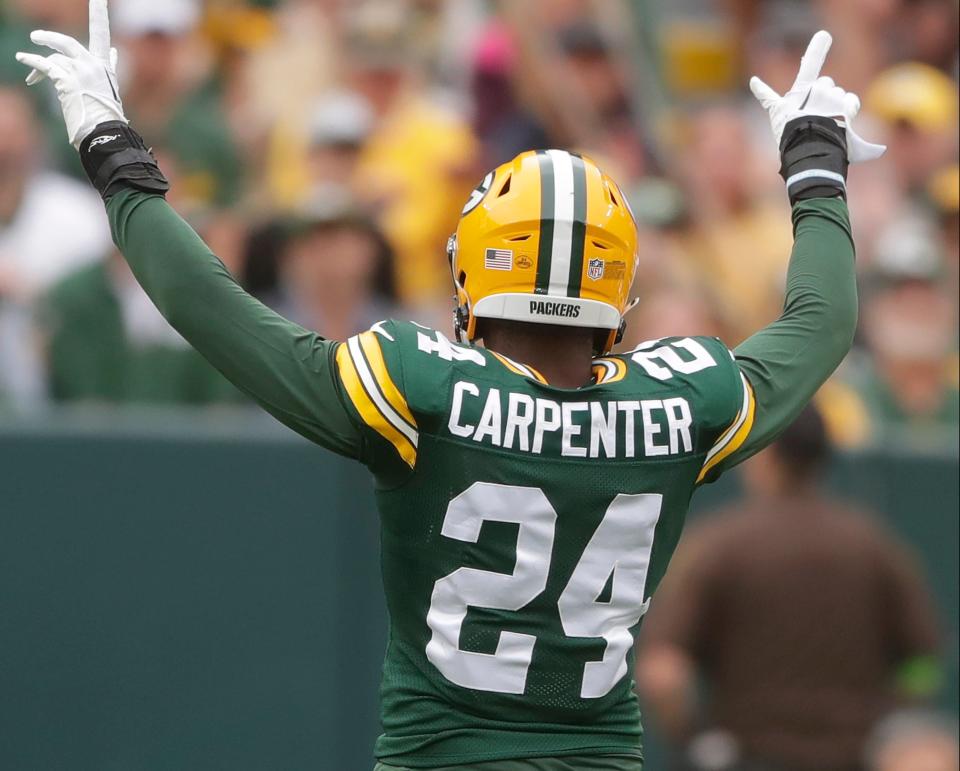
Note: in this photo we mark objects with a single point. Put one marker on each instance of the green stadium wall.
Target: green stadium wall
(183, 593)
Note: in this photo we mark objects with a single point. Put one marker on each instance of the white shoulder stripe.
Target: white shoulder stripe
(370, 384)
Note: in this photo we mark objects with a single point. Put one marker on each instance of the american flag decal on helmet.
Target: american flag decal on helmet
(498, 259)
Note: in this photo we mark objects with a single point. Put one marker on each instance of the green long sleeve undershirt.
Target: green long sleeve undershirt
(289, 371)
(788, 361)
(286, 369)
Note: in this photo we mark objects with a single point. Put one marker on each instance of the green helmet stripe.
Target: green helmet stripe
(547, 204)
(578, 240)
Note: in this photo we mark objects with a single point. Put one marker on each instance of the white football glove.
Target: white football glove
(86, 80)
(812, 94)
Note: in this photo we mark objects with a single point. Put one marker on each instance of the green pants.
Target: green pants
(581, 763)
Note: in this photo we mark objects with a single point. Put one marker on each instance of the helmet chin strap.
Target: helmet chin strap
(460, 324)
(461, 314)
(623, 324)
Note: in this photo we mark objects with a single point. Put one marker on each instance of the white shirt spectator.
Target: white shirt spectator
(59, 226)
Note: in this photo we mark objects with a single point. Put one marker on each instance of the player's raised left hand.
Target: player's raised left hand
(815, 95)
(85, 78)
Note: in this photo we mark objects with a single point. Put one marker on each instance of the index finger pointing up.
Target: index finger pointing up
(99, 29)
(813, 59)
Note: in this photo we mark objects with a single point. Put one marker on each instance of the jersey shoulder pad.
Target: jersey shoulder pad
(397, 378)
(707, 372)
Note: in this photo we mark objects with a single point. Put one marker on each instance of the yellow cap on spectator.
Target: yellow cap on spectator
(238, 27)
(915, 93)
(944, 189)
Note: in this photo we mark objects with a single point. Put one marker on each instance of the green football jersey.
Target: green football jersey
(524, 530)
(524, 527)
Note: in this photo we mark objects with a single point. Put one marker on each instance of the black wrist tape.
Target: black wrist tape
(813, 155)
(115, 157)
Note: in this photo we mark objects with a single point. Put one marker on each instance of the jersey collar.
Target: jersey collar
(520, 369)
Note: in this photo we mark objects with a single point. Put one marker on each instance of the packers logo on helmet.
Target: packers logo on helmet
(547, 238)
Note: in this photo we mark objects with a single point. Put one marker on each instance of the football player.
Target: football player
(532, 489)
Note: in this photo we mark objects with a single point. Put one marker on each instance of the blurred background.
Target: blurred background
(324, 149)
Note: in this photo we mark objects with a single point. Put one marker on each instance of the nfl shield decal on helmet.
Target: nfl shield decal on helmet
(595, 269)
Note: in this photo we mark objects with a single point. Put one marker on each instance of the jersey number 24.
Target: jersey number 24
(621, 545)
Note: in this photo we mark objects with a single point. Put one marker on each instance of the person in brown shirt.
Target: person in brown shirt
(805, 620)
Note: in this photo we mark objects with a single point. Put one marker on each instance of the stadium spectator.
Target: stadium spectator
(71, 13)
(928, 33)
(235, 33)
(914, 741)
(108, 344)
(319, 149)
(772, 39)
(943, 191)
(590, 67)
(420, 162)
(49, 225)
(105, 342)
(799, 614)
(859, 29)
(17, 19)
(303, 55)
(674, 311)
(919, 105)
(503, 122)
(336, 272)
(908, 384)
(738, 241)
(339, 128)
(168, 96)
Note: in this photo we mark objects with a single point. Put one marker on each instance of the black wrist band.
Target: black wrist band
(115, 157)
(813, 155)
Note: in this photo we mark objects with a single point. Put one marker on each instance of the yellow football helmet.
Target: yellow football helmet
(547, 238)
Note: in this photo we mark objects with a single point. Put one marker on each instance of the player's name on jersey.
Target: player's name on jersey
(613, 429)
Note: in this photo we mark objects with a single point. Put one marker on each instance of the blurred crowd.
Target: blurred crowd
(324, 148)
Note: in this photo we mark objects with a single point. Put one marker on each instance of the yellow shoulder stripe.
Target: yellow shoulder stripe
(536, 374)
(523, 370)
(374, 355)
(733, 438)
(376, 397)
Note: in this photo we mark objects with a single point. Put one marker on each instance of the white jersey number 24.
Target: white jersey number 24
(621, 546)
